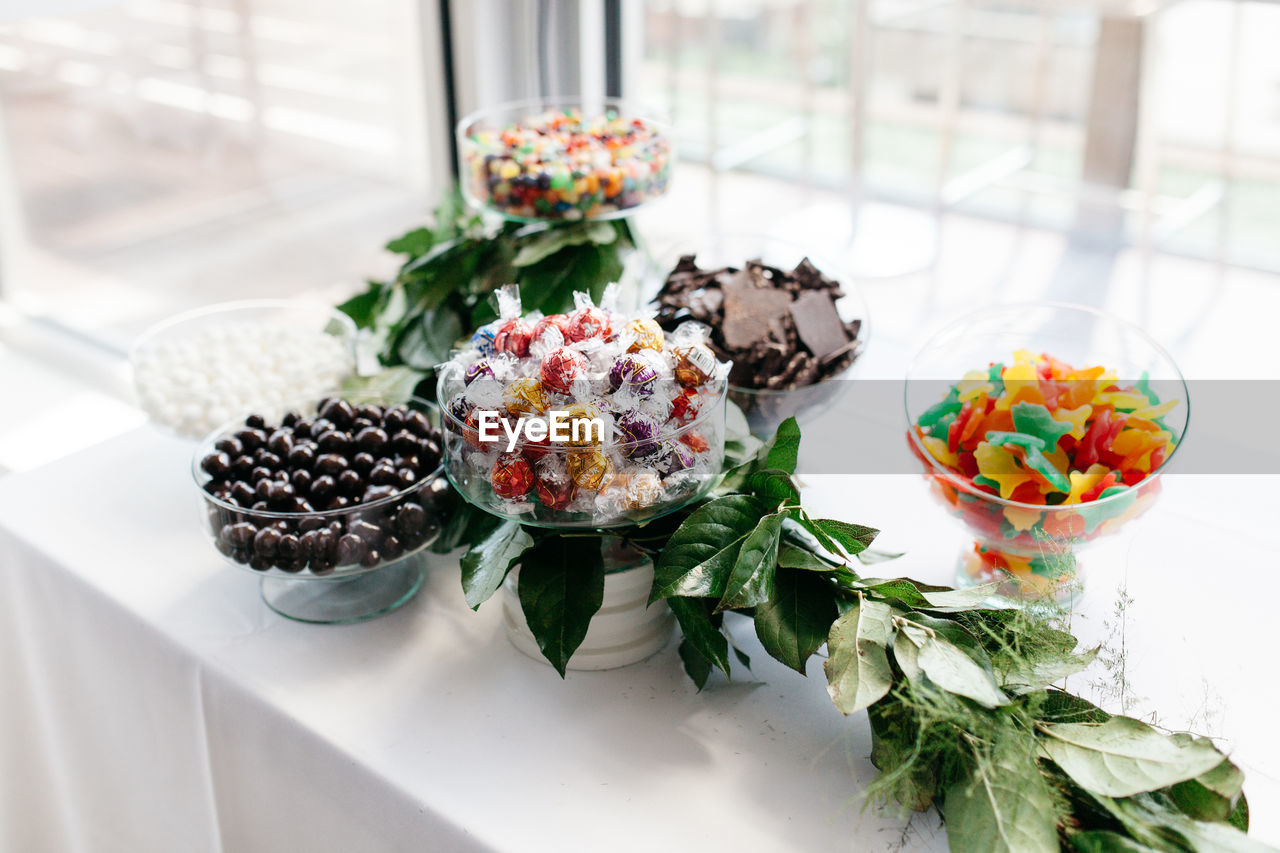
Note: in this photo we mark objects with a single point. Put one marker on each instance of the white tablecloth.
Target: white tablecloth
(151, 702)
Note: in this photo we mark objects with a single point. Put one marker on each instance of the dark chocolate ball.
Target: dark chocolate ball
(371, 440)
(280, 442)
(392, 548)
(349, 549)
(230, 445)
(384, 474)
(301, 481)
(404, 442)
(350, 483)
(323, 487)
(339, 412)
(302, 455)
(362, 463)
(216, 464)
(255, 422)
(265, 542)
(251, 439)
(242, 465)
(333, 441)
(411, 519)
(240, 534)
(330, 463)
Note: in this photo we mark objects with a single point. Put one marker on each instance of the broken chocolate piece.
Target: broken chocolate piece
(818, 323)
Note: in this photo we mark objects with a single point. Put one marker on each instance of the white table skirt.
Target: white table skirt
(151, 702)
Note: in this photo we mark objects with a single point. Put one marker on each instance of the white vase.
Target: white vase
(624, 631)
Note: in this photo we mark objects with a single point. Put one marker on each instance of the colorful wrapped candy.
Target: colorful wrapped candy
(606, 432)
(1048, 440)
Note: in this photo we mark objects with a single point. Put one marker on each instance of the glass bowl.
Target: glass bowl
(766, 408)
(196, 370)
(569, 184)
(600, 484)
(351, 557)
(1032, 546)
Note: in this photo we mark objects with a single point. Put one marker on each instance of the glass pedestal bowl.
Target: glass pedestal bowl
(563, 174)
(1032, 547)
(338, 563)
(765, 408)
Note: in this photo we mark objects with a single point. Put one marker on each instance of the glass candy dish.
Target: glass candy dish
(766, 408)
(194, 371)
(328, 563)
(608, 483)
(1033, 547)
(563, 159)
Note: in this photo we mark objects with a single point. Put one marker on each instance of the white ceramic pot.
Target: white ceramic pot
(624, 631)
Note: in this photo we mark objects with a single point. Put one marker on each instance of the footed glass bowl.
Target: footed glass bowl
(764, 407)
(593, 484)
(348, 554)
(563, 159)
(1033, 546)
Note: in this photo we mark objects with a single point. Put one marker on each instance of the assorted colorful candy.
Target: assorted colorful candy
(1069, 445)
(658, 400)
(562, 165)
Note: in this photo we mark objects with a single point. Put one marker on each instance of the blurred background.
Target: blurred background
(161, 154)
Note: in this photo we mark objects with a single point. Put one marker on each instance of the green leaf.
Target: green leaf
(362, 308)
(894, 732)
(464, 525)
(857, 667)
(1154, 820)
(428, 340)
(924, 649)
(1104, 841)
(751, 581)
(854, 538)
(561, 587)
(782, 451)
(791, 557)
(696, 665)
(700, 555)
(549, 284)
(795, 622)
(485, 565)
(694, 616)
(394, 383)
(546, 243)
(416, 242)
(773, 486)
(1123, 757)
(1004, 806)
(906, 650)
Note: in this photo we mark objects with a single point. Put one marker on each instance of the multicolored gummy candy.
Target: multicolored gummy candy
(1043, 433)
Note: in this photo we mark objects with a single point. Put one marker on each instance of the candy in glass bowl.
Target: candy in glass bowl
(328, 500)
(563, 159)
(592, 419)
(792, 323)
(194, 371)
(1042, 427)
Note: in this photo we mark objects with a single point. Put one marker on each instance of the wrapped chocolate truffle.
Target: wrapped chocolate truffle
(602, 419)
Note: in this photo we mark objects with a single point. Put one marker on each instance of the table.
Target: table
(152, 702)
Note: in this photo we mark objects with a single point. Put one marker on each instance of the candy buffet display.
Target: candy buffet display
(195, 371)
(586, 419)
(326, 492)
(1038, 454)
(525, 161)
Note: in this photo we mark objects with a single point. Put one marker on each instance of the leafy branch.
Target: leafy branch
(958, 685)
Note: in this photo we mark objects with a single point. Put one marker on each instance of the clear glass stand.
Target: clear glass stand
(333, 601)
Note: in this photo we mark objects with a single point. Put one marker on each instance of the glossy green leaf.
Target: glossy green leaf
(1123, 757)
(795, 622)
(857, 667)
(696, 665)
(694, 616)
(773, 486)
(700, 555)
(751, 581)
(782, 451)
(854, 538)
(561, 587)
(414, 243)
(486, 563)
